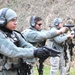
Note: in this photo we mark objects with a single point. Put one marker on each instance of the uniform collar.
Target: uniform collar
(4, 29)
(32, 28)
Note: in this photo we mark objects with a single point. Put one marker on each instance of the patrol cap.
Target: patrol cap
(57, 21)
(10, 14)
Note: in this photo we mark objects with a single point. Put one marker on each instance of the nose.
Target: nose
(15, 22)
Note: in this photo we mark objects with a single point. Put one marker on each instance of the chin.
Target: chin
(12, 29)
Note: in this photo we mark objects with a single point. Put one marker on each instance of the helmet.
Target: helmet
(6, 15)
(70, 21)
(57, 21)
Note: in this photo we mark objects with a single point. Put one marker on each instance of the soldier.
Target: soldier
(36, 35)
(13, 46)
(69, 47)
(57, 60)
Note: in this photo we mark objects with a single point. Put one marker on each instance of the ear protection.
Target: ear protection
(57, 21)
(32, 21)
(3, 20)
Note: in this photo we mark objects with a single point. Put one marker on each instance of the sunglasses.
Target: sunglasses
(40, 24)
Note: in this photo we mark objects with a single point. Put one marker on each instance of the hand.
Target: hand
(71, 36)
(41, 53)
(64, 29)
(44, 52)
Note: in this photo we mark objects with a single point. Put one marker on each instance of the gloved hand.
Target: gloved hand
(42, 53)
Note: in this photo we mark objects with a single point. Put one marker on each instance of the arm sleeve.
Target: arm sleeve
(35, 36)
(60, 39)
(8, 49)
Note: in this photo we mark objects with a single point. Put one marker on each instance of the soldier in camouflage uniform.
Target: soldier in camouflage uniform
(36, 35)
(69, 48)
(57, 60)
(13, 46)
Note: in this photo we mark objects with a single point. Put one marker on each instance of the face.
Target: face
(60, 25)
(11, 25)
(38, 25)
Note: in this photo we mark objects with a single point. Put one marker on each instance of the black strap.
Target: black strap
(20, 34)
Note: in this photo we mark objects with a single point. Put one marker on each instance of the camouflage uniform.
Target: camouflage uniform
(69, 48)
(12, 45)
(6, 48)
(37, 38)
(69, 54)
(57, 61)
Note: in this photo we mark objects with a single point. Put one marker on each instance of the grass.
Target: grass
(47, 70)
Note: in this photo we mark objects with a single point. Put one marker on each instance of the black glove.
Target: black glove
(42, 53)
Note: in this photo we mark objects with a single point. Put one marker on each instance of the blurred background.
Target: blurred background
(47, 9)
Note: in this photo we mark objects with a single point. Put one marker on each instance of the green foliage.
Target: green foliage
(47, 70)
(72, 71)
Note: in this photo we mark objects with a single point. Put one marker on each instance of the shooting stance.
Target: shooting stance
(37, 36)
(57, 60)
(69, 45)
(13, 47)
